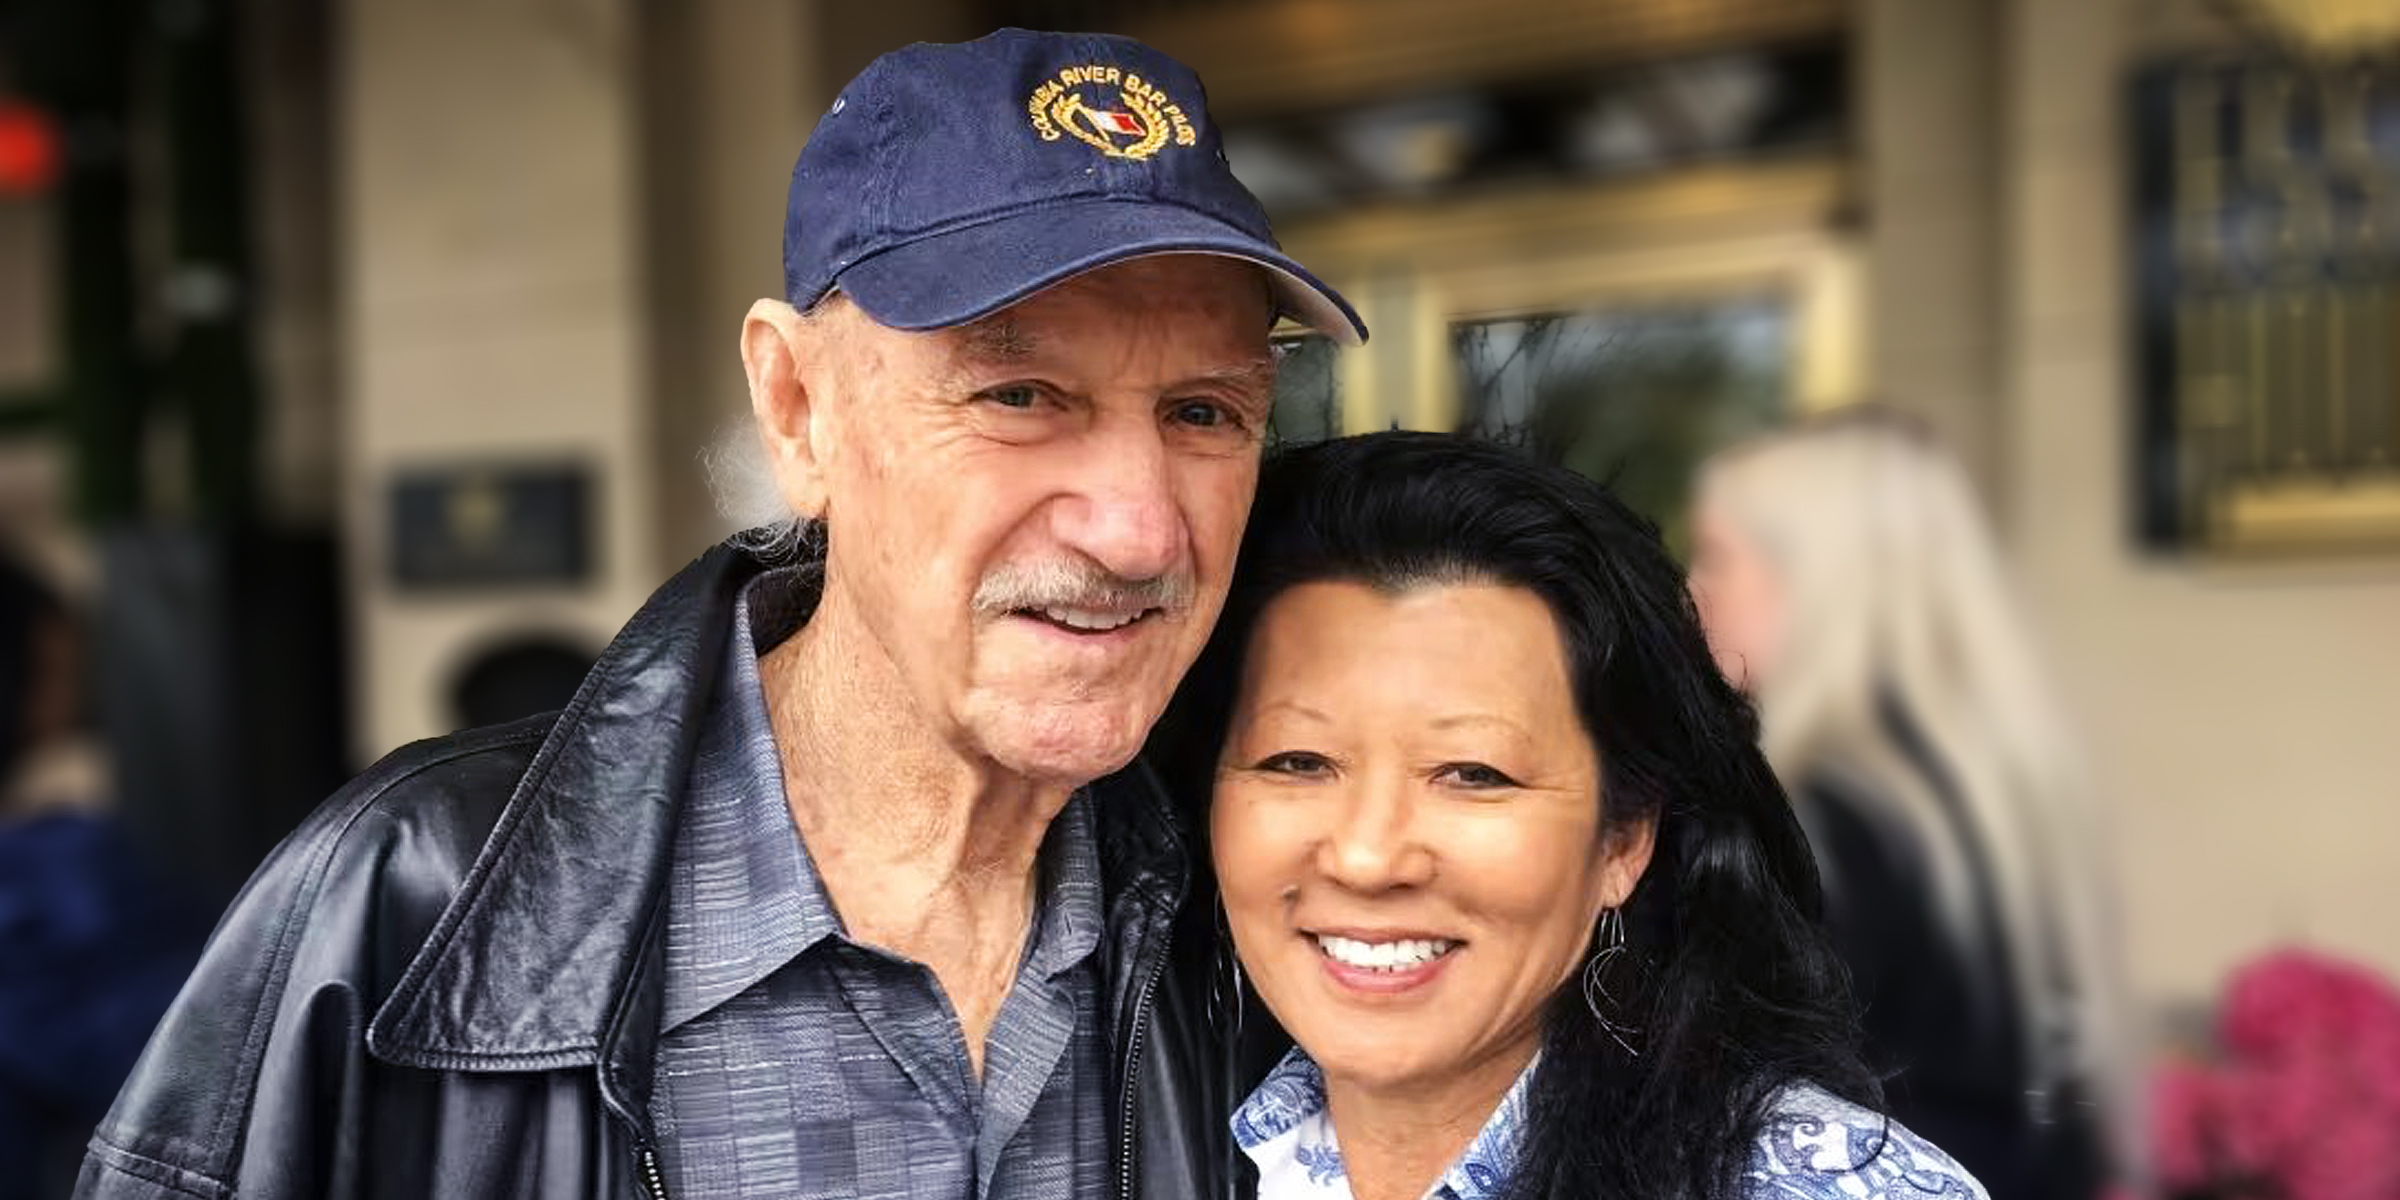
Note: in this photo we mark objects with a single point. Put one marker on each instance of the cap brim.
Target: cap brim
(965, 274)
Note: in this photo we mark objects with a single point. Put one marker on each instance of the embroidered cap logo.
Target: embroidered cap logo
(1143, 121)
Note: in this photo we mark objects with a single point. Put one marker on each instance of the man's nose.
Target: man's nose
(1124, 514)
(1373, 844)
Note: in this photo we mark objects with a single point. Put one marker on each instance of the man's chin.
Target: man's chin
(1065, 749)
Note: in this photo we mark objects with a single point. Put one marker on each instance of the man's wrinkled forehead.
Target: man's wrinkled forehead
(1021, 334)
(1133, 282)
(1002, 341)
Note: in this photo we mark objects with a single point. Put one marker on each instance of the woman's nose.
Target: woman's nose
(1373, 844)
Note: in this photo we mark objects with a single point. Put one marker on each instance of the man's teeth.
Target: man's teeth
(1383, 956)
(1092, 620)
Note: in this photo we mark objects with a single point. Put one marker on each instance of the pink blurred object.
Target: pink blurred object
(2303, 1102)
(2292, 1001)
(2184, 1105)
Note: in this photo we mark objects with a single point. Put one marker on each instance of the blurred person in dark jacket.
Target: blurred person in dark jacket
(839, 876)
(1850, 585)
(92, 945)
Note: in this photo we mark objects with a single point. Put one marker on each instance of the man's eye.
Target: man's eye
(1203, 414)
(1014, 395)
(1476, 775)
(1294, 762)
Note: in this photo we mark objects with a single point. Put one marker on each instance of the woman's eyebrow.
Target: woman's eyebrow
(1454, 720)
(1297, 709)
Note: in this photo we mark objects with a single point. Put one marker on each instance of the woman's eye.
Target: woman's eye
(1294, 762)
(1014, 395)
(1476, 775)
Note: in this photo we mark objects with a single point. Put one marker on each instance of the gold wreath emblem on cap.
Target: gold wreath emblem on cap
(1143, 121)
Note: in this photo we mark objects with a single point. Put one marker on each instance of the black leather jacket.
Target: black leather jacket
(446, 983)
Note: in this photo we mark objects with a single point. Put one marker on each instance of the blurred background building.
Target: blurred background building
(356, 355)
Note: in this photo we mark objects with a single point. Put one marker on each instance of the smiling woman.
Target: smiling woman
(1495, 847)
(1413, 858)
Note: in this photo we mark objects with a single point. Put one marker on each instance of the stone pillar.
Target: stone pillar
(1929, 176)
(732, 94)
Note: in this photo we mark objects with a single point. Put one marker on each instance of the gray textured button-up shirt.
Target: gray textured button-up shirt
(795, 1062)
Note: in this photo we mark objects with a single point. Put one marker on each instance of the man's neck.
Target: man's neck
(1396, 1141)
(923, 851)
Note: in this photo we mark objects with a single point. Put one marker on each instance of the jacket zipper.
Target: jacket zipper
(653, 1180)
(1126, 1115)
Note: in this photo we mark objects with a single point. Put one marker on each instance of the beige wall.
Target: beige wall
(492, 305)
(2242, 721)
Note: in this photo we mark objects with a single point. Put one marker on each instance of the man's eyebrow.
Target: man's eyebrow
(997, 339)
(1256, 372)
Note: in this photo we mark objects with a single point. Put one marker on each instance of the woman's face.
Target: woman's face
(1739, 595)
(1407, 826)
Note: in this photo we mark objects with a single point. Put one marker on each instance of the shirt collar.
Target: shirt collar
(1286, 1131)
(736, 913)
(1068, 909)
(743, 897)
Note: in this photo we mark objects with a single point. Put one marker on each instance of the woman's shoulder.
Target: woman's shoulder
(1815, 1145)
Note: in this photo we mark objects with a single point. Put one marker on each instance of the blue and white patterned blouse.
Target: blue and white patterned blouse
(1814, 1145)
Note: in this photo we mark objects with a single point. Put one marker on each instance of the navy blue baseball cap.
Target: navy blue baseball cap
(951, 181)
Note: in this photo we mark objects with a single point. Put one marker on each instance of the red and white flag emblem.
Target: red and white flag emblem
(1110, 121)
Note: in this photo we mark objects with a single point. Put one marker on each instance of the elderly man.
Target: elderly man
(834, 879)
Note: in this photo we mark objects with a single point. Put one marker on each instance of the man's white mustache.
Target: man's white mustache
(1070, 584)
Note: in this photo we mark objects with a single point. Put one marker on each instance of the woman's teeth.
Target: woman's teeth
(1383, 956)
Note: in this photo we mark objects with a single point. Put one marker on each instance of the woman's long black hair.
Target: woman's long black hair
(1732, 990)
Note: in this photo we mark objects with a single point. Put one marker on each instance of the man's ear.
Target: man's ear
(777, 343)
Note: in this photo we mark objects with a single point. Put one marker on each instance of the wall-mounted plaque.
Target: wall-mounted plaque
(491, 525)
(2267, 234)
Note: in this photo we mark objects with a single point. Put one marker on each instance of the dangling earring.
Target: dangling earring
(1611, 937)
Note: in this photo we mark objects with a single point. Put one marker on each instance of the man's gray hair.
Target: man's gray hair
(742, 478)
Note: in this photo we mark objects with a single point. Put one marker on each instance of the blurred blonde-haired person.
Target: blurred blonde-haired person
(1850, 585)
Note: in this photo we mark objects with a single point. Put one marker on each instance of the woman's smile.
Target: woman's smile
(1382, 963)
